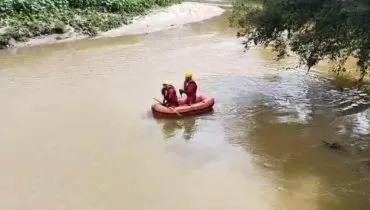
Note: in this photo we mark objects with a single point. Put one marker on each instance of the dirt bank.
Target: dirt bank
(166, 18)
(160, 19)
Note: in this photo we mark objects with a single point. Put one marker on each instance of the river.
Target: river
(76, 132)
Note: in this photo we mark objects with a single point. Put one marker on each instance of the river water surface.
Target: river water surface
(76, 132)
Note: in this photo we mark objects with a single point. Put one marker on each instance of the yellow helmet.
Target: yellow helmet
(188, 74)
(166, 83)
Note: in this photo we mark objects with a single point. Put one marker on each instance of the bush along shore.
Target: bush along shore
(21, 20)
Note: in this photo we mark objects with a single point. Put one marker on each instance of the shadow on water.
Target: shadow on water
(295, 152)
(283, 120)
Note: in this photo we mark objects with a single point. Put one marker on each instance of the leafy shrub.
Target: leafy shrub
(24, 19)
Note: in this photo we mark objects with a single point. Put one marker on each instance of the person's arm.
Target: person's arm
(163, 91)
(182, 91)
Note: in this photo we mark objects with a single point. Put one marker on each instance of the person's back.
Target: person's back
(190, 89)
(170, 97)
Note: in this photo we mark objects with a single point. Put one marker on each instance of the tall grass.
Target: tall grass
(21, 20)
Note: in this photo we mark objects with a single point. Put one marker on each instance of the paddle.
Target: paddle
(168, 107)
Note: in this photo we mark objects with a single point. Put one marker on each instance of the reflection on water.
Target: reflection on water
(293, 153)
(186, 126)
(283, 119)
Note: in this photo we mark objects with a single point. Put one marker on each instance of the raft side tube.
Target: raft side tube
(202, 105)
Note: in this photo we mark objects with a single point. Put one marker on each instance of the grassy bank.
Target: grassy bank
(21, 20)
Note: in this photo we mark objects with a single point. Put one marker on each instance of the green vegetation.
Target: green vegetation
(315, 30)
(24, 19)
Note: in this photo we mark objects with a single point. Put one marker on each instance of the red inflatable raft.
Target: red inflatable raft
(203, 105)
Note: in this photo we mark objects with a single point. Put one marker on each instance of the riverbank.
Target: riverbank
(346, 78)
(343, 79)
(158, 16)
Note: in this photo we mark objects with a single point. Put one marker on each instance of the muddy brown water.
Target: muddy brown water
(76, 131)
